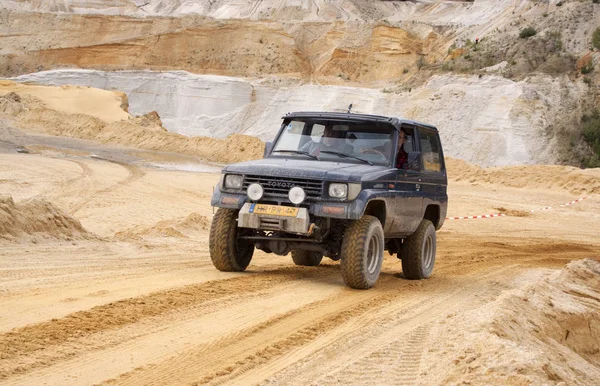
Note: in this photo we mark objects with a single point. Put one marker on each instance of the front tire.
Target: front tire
(227, 253)
(306, 258)
(418, 252)
(362, 253)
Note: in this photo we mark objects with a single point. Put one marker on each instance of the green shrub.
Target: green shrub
(591, 134)
(594, 161)
(527, 32)
(591, 127)
(587, 69)
(596, 38)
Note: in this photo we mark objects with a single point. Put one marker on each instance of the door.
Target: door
(409, 200)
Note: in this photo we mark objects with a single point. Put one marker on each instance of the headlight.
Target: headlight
(338, 190)
(233, 181)
(255, 192)
(297, 195)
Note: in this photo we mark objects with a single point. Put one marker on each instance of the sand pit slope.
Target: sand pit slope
(547, 333)
(572, 179)
(37, 219)
(108, 106)
(29, 112)
(177, 228)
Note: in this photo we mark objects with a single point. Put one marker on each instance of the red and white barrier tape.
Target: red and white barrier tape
(573, 202)
(472, 217)
(503, 215)
(567, 204)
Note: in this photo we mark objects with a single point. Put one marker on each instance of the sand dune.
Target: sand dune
(37, 219)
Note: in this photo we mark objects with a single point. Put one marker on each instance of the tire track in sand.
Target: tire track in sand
(251, 356)
(398, 362)
(41, 337)
(403, 319)
(134, 173)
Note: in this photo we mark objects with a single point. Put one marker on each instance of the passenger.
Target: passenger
(401, 159)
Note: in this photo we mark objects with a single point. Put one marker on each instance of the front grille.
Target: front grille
(280, 186)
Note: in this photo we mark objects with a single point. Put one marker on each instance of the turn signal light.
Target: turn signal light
(334, 210)
(229, 201)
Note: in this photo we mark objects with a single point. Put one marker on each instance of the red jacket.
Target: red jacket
(402, 159)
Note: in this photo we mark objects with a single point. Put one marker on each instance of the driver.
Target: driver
(330, 140)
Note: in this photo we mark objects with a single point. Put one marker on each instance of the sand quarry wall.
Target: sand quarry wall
(476, 12)
(488, 121)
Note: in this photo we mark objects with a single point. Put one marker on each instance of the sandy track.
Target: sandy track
(152, 310)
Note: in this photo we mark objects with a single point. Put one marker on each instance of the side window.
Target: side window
(430, 149)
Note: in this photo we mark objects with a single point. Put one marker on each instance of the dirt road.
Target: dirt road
(141, 303)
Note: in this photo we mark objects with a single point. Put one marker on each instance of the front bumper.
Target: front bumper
(298, 225)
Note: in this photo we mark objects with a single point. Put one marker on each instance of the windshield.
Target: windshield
(355, 142)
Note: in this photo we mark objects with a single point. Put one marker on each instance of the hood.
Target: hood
(309, 169)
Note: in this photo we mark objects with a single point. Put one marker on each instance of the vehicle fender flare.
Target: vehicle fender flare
(371, 202)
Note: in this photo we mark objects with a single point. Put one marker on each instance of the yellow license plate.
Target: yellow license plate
(274, 210)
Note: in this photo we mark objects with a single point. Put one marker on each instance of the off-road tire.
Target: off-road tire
(227, 253)
(306, 258)
(418, 252)
(362, 253)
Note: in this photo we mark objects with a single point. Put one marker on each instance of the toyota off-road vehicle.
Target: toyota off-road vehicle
(342, 185)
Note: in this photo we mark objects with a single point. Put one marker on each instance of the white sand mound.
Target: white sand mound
(144, 131)
(37, 218)
(547, 333)
(178, 228)
(104, 105)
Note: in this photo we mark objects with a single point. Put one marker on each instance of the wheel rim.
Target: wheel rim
(373, 254)
(428, 253)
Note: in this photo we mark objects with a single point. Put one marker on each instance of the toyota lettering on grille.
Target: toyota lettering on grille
(279, 184)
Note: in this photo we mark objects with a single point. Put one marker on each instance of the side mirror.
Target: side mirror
(414, 161)
(268, 148)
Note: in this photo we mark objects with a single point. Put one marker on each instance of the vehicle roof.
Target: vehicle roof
(356, 117)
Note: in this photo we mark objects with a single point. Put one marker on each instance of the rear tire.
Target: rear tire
(227, 253)
(306, 258)
(362, 253)
(418, 252)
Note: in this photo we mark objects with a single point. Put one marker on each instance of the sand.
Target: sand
(513, 300)
(105, 271)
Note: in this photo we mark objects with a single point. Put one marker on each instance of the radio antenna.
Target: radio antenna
(349, 107)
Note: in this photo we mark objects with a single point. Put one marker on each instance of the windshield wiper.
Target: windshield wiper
(347, 156)
(296, 152)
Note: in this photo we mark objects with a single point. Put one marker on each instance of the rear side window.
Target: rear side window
(430, 149)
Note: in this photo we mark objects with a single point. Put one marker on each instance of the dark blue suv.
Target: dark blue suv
(342, 185)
